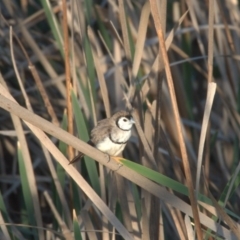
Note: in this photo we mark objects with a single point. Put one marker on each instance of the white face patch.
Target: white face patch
(125, 123)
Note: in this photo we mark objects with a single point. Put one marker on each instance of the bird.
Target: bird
(110, 135)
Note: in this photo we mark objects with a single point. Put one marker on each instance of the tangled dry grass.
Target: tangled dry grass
(174, 65)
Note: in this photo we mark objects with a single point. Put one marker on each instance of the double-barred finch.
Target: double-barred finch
(110, 135)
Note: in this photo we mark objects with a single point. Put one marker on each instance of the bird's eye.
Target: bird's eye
(124, 119)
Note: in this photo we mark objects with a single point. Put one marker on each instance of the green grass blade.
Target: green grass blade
(61, 174)
(76, 228)
(77, 201)
(63, 148)
(137, 200)
(55, 29)
(83, 134)
(156, 177)
(90, 67)
(167, 182)
(27, 194)
(88, 5)
(5, 215)
(103, 31)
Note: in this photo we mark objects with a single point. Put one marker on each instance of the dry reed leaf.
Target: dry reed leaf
(90, 230)
(177, 118)
(29, 169)
(142, 30)
(102, 158)
(121, 193)
(70, 169)
(58, 186)
(145, 220)
(190, 232)
(207, 111)
(100, 75)
(65, 230)
(235, 227)
(4, 230)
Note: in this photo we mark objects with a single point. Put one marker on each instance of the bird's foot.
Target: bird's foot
(109, 158)
(117, 159)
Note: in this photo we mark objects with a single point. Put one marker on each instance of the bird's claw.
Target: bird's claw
(109, 158)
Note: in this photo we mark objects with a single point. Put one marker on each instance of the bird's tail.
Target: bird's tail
(80, 155)
(77, 158)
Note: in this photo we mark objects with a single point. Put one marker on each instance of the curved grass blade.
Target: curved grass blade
(76, 228)
(167, 182)
(83, 134)
(53, 23)
(4, 215)
(27, 194)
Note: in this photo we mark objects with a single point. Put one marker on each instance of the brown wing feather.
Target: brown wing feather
(98, 134)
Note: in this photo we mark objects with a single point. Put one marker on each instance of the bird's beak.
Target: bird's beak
(132, 121)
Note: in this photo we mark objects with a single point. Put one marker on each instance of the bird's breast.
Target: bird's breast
(115, 145)
(120, 136)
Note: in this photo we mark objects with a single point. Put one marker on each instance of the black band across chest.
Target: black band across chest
(110, 137)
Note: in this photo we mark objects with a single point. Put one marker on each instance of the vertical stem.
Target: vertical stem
(186, 165)
(67, 75)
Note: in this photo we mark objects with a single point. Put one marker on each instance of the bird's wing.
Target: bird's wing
(100, 132)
